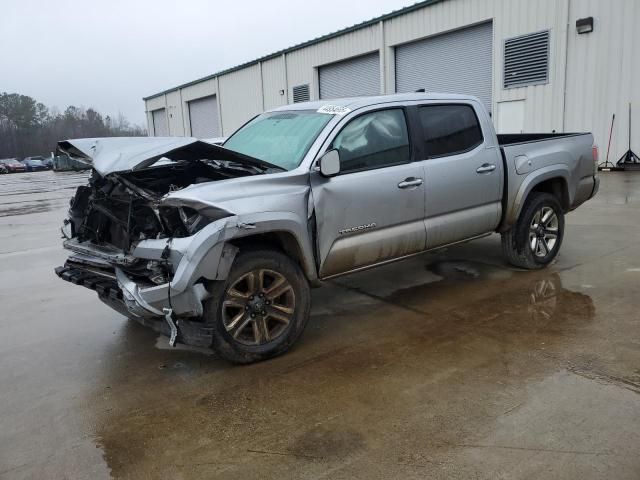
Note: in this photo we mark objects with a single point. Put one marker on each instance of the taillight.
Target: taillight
(594, 152)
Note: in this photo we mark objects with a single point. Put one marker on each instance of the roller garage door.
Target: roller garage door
(355, 77)
(203, 115)
(160, 124)
(456, 62)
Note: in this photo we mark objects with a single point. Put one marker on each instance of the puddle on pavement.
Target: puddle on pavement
(467, 270)
(464, 349)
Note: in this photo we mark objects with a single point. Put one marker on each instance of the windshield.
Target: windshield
(280, 138)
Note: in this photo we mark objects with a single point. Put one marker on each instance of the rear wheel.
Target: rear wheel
(261, 309)
(534, 241)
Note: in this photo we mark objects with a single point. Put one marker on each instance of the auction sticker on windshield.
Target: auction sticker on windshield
(334, 110)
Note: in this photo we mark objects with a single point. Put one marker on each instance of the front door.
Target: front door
(373, 210)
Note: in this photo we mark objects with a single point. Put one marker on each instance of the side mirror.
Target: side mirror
(330, 163)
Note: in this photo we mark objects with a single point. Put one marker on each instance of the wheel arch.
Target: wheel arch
(556, 186)
(283, 231)
(553, 180)
(282, 240)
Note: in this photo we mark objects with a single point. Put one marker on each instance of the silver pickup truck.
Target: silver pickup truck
(218, 246)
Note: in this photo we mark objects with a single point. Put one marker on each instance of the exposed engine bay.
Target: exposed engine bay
(123, 208)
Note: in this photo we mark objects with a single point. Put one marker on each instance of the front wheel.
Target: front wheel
(260, 310)
(534, 241)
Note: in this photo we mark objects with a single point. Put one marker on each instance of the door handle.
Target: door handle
(410, 182)
(486, 168)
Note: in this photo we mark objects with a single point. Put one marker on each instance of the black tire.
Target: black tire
(517, 241)
(217, 309)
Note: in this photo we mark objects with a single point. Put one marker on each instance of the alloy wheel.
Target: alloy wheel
(543, 232)
(258, 307)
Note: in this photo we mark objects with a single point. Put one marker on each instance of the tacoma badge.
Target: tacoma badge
(359, 228)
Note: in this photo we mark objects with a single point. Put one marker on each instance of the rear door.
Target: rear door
(374, 209)
(463, 174)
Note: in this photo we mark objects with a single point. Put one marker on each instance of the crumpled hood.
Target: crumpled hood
(119, 154)
(286, 191)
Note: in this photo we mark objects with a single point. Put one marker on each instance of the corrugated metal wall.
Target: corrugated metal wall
(510, 18)
(160, 127)
(203, 117)
(599, 67)
(240, 97)
(175, 113)
(196, 91)
(303, 64)
(153, 104)
(355, 77)
(456, 62)
(274, 83)
(603, 73)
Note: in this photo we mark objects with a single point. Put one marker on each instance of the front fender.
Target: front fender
(210, 255)
(207, 256)
(286, 222)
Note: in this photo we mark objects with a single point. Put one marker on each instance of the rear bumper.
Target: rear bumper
(596, 186)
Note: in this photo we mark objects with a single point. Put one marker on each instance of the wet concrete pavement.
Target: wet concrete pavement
(449, 365)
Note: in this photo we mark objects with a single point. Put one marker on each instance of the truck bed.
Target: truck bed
(545, 156)
(514, 138)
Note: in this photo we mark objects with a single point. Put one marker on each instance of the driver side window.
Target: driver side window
(373, 140)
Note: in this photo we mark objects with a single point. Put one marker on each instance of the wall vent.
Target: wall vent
(526, 60)
(301, 93)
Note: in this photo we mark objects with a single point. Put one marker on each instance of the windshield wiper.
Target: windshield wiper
(257, 168)
(232, 156)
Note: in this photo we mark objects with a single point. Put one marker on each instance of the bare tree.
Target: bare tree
(28, 127)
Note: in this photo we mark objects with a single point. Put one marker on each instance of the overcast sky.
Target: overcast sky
(108, 54)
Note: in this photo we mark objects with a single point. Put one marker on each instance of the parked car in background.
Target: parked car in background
(13, 165)
(34, 165)
(35, 157)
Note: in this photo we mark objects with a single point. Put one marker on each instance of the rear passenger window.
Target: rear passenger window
(373, 140)
(449, 129)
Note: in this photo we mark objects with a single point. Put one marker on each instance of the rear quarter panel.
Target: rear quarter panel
(528, 164)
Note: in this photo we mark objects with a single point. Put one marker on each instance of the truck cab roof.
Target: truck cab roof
(354, 103)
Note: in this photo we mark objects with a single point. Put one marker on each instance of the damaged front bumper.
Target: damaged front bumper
(193, 261)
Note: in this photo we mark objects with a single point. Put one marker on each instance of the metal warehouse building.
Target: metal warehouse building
(538, 66)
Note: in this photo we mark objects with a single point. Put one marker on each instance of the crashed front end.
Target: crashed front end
(147, 255)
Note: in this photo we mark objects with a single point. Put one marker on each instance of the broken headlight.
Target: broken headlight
(182, 220)
(157, 272)
(192, 220)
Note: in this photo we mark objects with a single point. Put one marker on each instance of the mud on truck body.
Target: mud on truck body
(218, 246)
